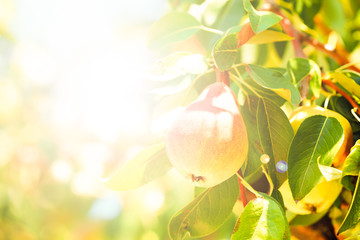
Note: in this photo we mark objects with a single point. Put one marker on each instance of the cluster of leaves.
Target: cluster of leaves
(252, 50)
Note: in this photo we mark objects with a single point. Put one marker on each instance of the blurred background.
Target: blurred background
(72, 111)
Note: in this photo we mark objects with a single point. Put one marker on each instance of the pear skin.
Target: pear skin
(207, 142)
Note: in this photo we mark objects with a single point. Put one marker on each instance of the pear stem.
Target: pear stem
(222, 76)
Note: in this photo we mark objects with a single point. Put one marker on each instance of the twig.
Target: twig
(340, 59)
(344, 94)
(300, 37)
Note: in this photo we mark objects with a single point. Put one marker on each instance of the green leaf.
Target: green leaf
(225, 52)
(207, 212)
(269, 36)
(351, 167)
(223, 14)
(260, 20)
(276, 194)
(176, 65)
(276, 134)
(341, 105)
(307, 10)
(317, 136)
(240, 75)
(262, 218)
(306, 220)
(355, 236)
(353, 215)
(352, 161)
(175, 73)
(198, 191)
(173, 27)
(302, 69)
(346, 82)
(178, 3)
(334, 16)
(272, 79)
(248, 112)
(146, 166)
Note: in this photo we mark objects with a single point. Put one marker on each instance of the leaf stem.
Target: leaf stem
(247, 185)
(264, 169)
(212, 30)
(242, 81)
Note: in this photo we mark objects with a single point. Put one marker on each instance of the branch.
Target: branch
(343, 93)
(300, 37)
(340, 59)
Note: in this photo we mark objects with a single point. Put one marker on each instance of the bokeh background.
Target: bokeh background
(73, 110)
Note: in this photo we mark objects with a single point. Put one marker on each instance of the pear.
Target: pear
(301, 113)
(207, 142)
(319, 199)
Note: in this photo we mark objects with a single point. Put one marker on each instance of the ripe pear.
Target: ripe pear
(319, 199)
(207, 142)
(299, 115)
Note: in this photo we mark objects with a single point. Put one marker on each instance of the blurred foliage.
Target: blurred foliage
(50, 184)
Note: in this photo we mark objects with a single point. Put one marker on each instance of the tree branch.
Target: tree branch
(343, 93)
(300, 37)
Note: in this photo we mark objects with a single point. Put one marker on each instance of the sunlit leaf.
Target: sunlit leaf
(260, 20)
(302, 69)
(346, 82)
(306, 220)
(353, 215)
(329, 173)
(223, 14)
(355, 236)
(248, 112)
(341, 105)
(307, 10)
(240, 75)
(272, 79)
(275, 133)
(334, 16)
(352, 162)
(225, 52)
(175, 73)
(317, 136)
(207, 212)
(175, 65)
(351, 167)
(276, 194)
(262, 218)
(269, 36)
(178, 3)
(146, 166)
(173, 27)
